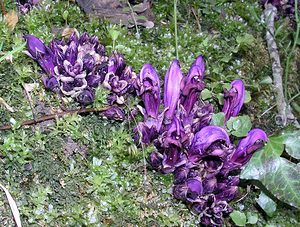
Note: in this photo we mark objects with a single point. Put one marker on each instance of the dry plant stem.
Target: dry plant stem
(283, 109)
(3, 7)
(56, 115)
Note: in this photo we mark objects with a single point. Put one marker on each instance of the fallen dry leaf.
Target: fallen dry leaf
(11, 19)
(67, 32)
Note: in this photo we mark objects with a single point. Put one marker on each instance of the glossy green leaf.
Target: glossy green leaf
(218, 119)
(280, 176)
(238, 218)
(239, 126)
(206, 94)
(267, 204)
(292, 144)
(252, 218)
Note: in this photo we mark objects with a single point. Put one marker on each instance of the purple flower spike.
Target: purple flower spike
(148, 87)
(38, 51)
(172, 89)
(35, 46)
(192, 85)
(247, 146)
(234, 99)
(208, 135)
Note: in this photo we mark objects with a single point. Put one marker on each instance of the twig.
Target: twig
(283, 109)
(287, 65)
(133, 17)
(3, 7)
(56, 115)
(197, 19)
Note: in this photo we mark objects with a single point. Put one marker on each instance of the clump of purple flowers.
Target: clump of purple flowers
(24, 6)
(202, 157)
(75, 67)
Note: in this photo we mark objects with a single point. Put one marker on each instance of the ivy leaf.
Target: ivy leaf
(238, 218)
(252, 218)
(292, 144)
(206, 94)
(218, 119)
(267, 204)
(239, 126)
(280, 176)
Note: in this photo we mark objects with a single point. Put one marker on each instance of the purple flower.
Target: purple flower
(207, 136)
(234, 99)
(86, 97)
(172, 158)
(192, 84)
(114, 113)
(148, 87)
(38, 51)
(172, 89)
(244, 151)
(25, 5)
(247, 146)
(51, 83)
(189, 191)
(155, 160)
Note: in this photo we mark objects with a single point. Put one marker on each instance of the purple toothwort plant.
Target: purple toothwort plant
(202, 157)
(77, 66)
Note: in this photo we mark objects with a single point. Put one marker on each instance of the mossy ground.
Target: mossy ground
(85, 170)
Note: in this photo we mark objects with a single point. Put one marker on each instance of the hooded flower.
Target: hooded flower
(148, 87)
(38, 51)
(192, 84)
(207, 136)
(234, 99)
(172, 89)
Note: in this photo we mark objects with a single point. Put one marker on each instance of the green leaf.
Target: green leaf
(266, 80)
(247, 97)
(218, 119)
(206, 94)
(267, 204)
(114, 34)
(252, 218)
(292, 144)
(239, 126)
(238, 218)
(280, 176)
(245, 40)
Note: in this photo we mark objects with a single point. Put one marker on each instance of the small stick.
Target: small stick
(3, 8)
(56, 115)
(283, 109)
